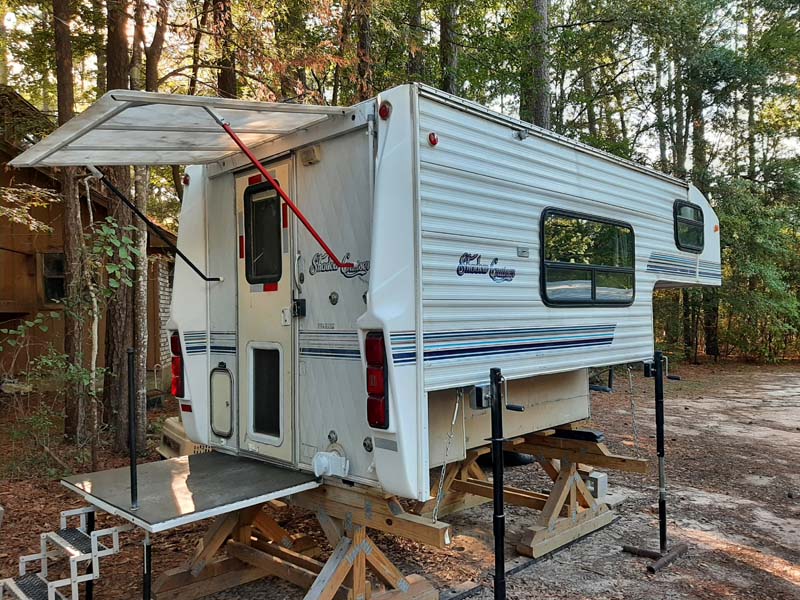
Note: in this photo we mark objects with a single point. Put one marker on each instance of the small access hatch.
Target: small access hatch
(186, 489)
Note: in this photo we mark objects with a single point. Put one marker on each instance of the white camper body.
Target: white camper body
(470, 237)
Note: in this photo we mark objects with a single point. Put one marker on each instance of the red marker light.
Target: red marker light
(433, 139)
(186, 179)
(385, 110)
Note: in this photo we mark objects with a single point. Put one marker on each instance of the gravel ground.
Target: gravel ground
(733, 450)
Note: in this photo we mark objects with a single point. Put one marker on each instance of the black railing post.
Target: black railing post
(90, 524)
(658, 359)
(499, 517)
(132, 426)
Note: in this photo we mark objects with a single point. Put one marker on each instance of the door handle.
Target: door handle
(298, 275)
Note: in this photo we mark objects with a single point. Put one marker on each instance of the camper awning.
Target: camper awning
(143, 128)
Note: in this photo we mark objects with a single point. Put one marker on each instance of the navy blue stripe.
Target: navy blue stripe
(508, 349)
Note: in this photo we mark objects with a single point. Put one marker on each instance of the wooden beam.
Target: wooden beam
(333, 573)
(272, 565)
(578, 454)
(219, 575)
(363, 508)
(511, 495)
(384, 569)
(271, 530)
(215, 537)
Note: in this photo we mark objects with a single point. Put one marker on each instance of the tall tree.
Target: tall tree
(119, 312)
(74, 421)
(535, 79)
(448, 46)
(226, 64)
(363, 14)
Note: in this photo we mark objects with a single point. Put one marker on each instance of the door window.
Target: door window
(262, 224)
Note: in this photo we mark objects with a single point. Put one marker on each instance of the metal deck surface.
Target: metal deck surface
(186, 489)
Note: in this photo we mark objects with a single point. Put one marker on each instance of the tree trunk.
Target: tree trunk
(344, 34)
(226, 74)
(749, 99)
(156, 48)
(363, 23)
(448, 48)
(414, 64)
(140, 306)
(658, 101)
(535, 85)
(679, 165)
(202, 20)
(3, 45)
(73, 229)
(98, 38)
(588, 91)
(119, 327)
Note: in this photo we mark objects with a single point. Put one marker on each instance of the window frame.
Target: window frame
(44, 276)
(593, 269)
(677, 218)
(249, 193)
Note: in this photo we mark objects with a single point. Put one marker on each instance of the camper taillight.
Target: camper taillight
(377, 403)
(177, 364)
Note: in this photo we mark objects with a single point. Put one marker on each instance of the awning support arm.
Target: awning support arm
(153, 227)
(292, 206)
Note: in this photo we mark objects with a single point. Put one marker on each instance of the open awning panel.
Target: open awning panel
(144, 128)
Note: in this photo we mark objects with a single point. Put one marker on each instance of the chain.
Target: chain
(459, 399)
(633, 408)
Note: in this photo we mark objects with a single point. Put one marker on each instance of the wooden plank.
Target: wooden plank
(333, 573)
(608, 461)
(511, 495)
(245, 525)
(272, 565)
(539, 543)
(558, 494)
(366, 509)
(278, 551)
(271, 530)
(213, 540)
(332, 528)
(384, 569)
(358, 574)
(418, 589)
(219, 575)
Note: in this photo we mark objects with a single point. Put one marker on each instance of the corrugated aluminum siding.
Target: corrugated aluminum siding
(482, 191)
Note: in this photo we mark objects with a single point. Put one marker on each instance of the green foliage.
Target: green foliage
(14, 337)
(17, 203)
(111, 248)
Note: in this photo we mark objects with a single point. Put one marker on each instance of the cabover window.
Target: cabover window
(689, 228)
(262, 225)
(586, 260)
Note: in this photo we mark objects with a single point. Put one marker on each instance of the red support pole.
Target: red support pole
(257, 164)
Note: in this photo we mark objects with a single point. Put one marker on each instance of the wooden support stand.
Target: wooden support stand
(568, 512)
(248, 544)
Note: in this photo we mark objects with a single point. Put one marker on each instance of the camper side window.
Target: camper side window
(586, 260)
(689, 228)
(262, 224)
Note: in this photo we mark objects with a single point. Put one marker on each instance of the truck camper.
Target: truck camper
(454, 239)
(353, 274)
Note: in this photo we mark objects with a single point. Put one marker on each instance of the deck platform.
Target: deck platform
(186, 489)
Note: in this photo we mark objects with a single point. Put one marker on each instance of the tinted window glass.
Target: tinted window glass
(262, 221)
(689, 228)
(266, 392)
(586, 260)
(588, 242)
(54, 278)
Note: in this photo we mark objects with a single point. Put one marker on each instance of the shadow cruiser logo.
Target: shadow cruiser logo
(322, 263)
(470, 264)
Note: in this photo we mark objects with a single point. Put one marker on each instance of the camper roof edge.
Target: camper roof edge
(523, 126)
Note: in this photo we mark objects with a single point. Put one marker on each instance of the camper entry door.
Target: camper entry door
(265, 323)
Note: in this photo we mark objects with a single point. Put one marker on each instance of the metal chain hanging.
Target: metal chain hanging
(459, 399)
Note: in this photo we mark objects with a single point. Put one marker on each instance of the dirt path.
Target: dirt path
(733, 450)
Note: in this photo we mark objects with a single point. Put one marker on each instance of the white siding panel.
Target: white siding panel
(482, 191)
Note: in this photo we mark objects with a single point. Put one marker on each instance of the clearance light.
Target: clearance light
(433, 139)
(385, 110)
(177, 366)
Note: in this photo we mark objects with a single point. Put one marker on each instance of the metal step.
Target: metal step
(74, 541)
(27, 587)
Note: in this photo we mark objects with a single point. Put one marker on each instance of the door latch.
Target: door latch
(299, 307)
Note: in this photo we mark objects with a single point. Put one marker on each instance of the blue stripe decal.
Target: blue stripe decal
(221, 342)
(332, 344)
(450, 345)
(672, 264)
